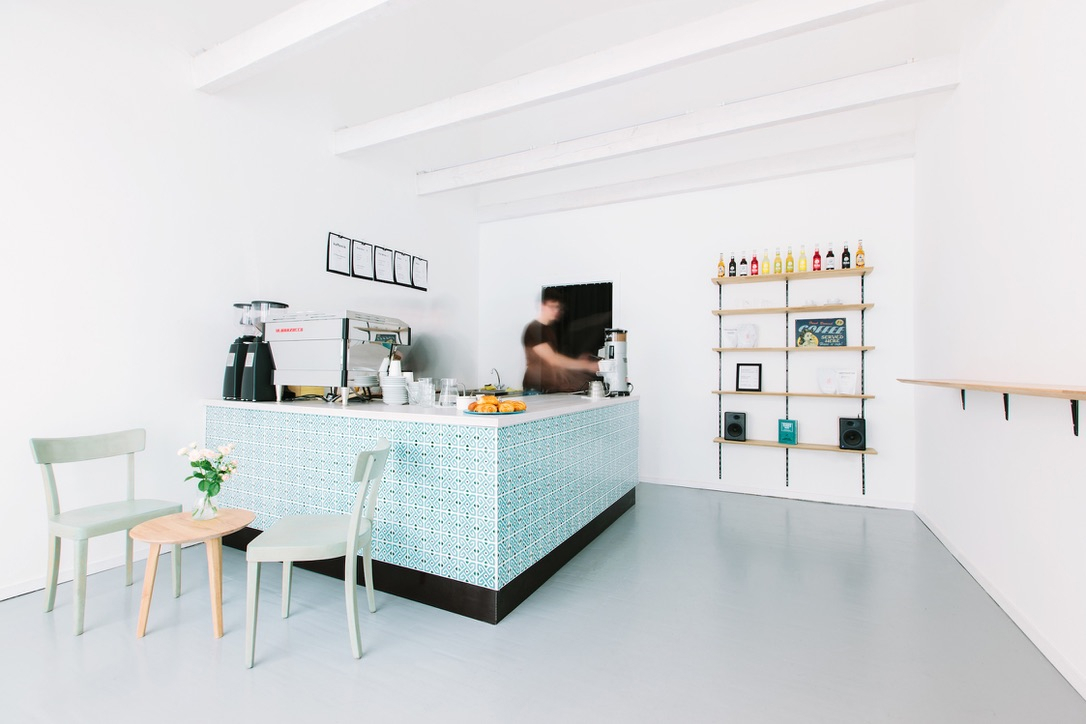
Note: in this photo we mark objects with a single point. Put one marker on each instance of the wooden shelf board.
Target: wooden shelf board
(1062, 392)
(794, 394)
(863, 271)
(794, 349)
(791, 310)
(798, 446)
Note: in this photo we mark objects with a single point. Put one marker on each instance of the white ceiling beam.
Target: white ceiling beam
(244, 54)
(826, 158)
(835, 96)
(742, 27)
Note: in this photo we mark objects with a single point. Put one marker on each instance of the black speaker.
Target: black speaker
(853, 433)
(735, 426)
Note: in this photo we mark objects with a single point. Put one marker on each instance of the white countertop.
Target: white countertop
(539, 407)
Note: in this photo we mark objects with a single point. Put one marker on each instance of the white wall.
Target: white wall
(1000, 296)
(661, 254)
(133, 212)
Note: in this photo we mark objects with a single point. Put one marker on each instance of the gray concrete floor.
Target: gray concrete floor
(695, 606)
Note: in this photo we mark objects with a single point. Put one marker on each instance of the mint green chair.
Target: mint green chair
(318, 538)
(82, 524)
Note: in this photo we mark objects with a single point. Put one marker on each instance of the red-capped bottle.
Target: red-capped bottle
(754, 263)
(816, 261)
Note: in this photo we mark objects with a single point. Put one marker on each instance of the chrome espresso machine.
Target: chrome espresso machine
(613, 365)
(339, 350)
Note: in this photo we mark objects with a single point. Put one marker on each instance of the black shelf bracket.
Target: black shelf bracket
(1006, 406)
(963, 399)
(1074, 416)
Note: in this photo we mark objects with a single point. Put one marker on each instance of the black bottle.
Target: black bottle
(731, 266)
(828, 262)
(846, 258)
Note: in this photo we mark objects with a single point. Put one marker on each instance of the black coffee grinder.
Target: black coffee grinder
(249, 368)
(235, 359)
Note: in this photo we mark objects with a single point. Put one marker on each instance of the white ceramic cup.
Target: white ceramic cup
(395, 368)
(462, 403)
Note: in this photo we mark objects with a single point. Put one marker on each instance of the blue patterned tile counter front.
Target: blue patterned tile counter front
(472, 499)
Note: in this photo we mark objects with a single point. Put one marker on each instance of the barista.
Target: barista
(547, 369)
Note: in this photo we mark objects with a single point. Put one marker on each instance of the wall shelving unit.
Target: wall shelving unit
(787, 311)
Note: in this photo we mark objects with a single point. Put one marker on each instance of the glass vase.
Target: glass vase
(205, 508)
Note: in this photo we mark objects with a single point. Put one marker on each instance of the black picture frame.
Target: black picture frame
(361, 259)
(748, 377)
(401, 268)
(420, 273)
(338, 255)
(383, 265)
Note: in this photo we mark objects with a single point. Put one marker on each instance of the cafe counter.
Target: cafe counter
(475, 511)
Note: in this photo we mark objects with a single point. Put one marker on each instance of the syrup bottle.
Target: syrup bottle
(860, 254)
(767, 265)
(816, 260)
(744, 267)
(846, 258)
(754, 263)
(777, 267)
(802, 258)
(789, 262)
(831, 263)
(721, 267)
(731, 266)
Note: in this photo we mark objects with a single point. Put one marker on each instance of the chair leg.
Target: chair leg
(175, 562)
(367, 565)
(52, 568)
(80, 583)
(252, 600)
(288, 574)
(127, 559)
(350, 585)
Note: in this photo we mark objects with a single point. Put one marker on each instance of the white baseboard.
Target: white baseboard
(66, 574)
(1051, 652)
(865, 502)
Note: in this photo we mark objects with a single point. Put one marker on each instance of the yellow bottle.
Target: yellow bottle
(767, 265)
(789, 262)
(802, 259)
(721, 267)
(777, 262)
(859, 260)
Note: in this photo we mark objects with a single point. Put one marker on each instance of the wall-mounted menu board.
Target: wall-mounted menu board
(363, 260)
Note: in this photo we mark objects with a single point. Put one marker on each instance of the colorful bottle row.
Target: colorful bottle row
(789, 264)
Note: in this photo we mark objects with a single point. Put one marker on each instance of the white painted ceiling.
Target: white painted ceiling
(413, 52)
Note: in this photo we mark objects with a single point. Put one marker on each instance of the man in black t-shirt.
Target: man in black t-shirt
(547, 369)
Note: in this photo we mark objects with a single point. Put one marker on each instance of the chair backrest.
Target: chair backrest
(368, 469)
(50, 450)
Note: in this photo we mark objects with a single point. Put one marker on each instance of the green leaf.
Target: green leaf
(202, 486)
(213, 489)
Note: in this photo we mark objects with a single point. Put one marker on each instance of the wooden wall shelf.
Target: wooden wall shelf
(816, 308)
(1060, 392)
(854, 272)
(793, 349)
(797, 446)
(793, 394)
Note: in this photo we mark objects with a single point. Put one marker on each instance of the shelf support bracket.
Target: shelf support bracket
(1006, 406)
(1074, 416)
(963, 399)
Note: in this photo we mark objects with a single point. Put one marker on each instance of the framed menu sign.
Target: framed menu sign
(420, 270)
(361, 259)
(382, 265)
(338, 260)
(403, 269)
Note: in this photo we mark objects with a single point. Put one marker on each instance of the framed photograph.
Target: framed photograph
(339, 255)
(383, 270)
(420, 271)
(361, 259)
(748, 377)
(402, 269)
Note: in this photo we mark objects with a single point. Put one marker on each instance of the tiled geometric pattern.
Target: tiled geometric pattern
(474, 504)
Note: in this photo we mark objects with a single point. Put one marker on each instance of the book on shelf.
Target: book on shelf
(824, 332)
(786, 432)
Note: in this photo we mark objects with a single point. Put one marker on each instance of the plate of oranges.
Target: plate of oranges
(490, 405)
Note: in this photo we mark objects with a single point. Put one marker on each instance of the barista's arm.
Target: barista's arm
(557, 359)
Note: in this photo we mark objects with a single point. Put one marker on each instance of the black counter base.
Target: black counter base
(482, 604)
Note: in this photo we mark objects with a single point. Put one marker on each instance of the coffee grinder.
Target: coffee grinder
(613, 367)
(235, 359)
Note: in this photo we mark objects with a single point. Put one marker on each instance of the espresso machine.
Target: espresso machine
(249, 364)
(613, 366)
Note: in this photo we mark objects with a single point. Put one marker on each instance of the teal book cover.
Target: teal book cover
(786, 432)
